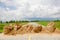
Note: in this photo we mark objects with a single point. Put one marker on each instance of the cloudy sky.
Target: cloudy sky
(22, 9)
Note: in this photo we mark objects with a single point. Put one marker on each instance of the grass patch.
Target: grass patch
(43, 23)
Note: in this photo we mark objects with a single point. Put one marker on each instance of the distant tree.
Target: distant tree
(0, 21)
(7, 22)
(11, 21)
(56, 20)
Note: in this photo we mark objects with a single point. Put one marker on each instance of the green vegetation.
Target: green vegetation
(2, 24)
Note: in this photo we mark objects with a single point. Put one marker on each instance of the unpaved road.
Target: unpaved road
(39, 36)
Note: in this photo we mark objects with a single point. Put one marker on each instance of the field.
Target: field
(57, 24)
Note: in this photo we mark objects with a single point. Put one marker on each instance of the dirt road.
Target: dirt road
(40, 36)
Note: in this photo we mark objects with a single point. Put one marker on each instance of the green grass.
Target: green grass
(57, 25)
(43, 23)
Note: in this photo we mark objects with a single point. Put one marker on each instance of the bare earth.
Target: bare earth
(39, 36)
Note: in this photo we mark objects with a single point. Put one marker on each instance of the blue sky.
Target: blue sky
(22, 9)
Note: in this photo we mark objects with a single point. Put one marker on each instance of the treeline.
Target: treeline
(19, 21)
(56, 20)
(12, 21)
(29, 21)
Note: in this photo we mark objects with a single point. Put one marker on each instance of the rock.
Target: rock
(11, 29)
(7, 29)
(17, 26)
(51, 27)
(37, 29)
(22, 29)
(57, 30)
(29, 29)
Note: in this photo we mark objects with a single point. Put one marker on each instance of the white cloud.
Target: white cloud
(28, 9)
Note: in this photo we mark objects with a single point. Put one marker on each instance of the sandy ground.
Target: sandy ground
(39, 36)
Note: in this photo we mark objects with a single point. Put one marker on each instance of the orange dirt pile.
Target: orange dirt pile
(32, 27)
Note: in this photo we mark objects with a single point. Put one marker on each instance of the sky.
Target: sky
(24, 9)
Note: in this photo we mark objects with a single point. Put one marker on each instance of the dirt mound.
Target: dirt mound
(37, 29)
(11, 29)
(7, 29)
(31, 27)
(50, 27)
